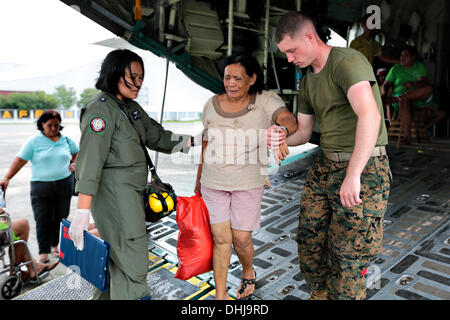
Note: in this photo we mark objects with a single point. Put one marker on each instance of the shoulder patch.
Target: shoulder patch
(97, 124)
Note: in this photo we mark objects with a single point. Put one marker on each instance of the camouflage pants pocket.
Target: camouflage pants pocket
(350, 253)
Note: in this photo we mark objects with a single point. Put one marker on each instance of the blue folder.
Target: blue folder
(92, 262)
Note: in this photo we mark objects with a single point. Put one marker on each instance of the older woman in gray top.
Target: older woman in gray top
(233, 171)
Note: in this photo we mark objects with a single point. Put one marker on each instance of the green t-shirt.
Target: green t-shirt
(399, 75)
(324, 95)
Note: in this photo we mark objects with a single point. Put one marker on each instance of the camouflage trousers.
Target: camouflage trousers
(336, 244)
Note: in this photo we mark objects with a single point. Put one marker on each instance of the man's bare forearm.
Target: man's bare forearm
(304, 130)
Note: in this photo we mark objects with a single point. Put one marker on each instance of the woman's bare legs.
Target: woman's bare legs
(222, 239)
(243, 245)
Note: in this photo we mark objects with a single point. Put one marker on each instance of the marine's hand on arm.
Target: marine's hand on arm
(276, 137)
(15, 167)
(365, 107)
(288, 125)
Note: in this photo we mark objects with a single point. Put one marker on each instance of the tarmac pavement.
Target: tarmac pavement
(179, 170)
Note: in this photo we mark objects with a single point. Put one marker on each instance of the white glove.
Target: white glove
(79, 224)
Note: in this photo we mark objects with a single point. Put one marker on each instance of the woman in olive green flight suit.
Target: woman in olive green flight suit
(112, 172)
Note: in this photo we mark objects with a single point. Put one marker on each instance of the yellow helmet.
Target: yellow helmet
(160, 202)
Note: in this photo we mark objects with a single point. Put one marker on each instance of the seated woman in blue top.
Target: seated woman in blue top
(52, 157)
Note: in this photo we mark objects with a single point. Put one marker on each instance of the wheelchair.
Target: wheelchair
(12, 285)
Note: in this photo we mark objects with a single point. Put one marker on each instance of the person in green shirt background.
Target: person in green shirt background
(112, 172)
(411, 89)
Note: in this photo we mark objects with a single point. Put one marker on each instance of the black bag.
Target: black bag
(157, 186)
(154, 186)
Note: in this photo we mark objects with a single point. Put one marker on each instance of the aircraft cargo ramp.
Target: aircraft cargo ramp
(414, 264)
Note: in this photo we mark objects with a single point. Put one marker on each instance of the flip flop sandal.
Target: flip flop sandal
(52, 266)
(245, 283)
(44, 272)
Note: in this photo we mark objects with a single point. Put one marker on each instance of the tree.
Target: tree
(67, 97)
(2, 102)
(86, 96)
(44, 101)
(19, 100)
(29, 101)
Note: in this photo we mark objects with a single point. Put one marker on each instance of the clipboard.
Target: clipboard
(92, 262)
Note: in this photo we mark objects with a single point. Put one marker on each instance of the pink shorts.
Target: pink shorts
(241, 208)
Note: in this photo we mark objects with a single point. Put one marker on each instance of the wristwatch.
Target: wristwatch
(192, 141)
(285, 129)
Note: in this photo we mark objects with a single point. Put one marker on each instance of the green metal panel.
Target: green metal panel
(183, 61)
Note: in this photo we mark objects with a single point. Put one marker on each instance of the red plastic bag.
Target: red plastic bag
(195, 245)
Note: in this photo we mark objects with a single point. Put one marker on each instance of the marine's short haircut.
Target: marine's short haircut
(251, 67)
(48, 115)
(113, 68)
(290, 24)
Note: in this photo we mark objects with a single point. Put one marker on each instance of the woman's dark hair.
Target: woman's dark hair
(251, 67)
(113, 68)
(48, 115)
